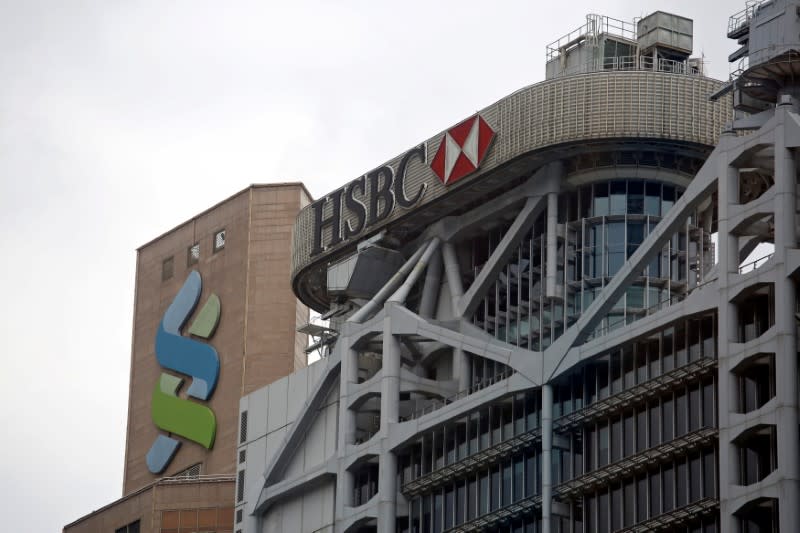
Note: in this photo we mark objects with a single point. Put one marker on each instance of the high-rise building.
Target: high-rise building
(548, 317)
(214, 319)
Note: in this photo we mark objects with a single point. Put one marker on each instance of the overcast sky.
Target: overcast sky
(121, 119)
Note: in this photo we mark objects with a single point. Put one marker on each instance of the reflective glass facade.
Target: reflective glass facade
(600, 226)
(635, 441)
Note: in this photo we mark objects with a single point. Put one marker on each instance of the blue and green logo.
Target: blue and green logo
(190, 357)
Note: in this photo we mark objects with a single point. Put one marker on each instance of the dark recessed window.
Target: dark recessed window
(240, 487)
(219, 240)
(243, 427)
(167, 268)
(133, 527)
(193, 254)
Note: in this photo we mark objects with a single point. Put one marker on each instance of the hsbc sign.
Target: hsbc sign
(370, 199)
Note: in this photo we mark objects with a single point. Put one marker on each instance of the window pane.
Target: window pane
(600, 199)
(635, 197)
(617, 198)
(652, 201)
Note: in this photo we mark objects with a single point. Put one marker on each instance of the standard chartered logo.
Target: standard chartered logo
(190, 357)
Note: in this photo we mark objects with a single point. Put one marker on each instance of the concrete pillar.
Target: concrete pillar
(462, 371)
(390, 409)
(788, 432)
(727, 331)
(345, 482)
(555, 172)
(547, 457)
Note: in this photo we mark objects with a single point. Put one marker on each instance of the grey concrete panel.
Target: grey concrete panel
(277, 404)
(298, 389)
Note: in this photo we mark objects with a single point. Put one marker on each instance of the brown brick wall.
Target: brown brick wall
(256, 338)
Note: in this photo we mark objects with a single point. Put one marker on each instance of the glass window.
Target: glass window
(616, 440)
(694, 407)
(615, 242)
(630, 503)
(219, 240)
(682, 479)
(437, 512)
(167, 268)
(590, 507)
(602, 513)
(668, 476)
(681, 413)
(603, 444)
(666, 349)
(635, 297)
(617, 198)
(461, 503)
(616, 508)
(635, 236)
(709, 474)
(507, 480)
(641, 499)
(193, 254)
(484, 495)
(628, 434)
(495, 488)
(600, 199)
(641, 429)
(667, 199)
(472, 499)
(667, 418)
(655, 494)
(586, 201)
(652, 199)
(635, 197)
(519, 479)
(695, 478)
(655, 424)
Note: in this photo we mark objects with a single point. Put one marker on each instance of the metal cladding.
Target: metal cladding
(530, 124)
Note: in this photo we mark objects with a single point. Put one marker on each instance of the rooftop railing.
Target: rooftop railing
(632, 63)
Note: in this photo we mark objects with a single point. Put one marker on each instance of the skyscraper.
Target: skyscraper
(530, 329)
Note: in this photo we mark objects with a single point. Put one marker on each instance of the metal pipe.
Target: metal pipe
(453, 274)
(391, 286)
(402, 293)
(430, 291)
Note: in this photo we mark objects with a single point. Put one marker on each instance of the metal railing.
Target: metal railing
(435, 405)
(595, 25)
(753, 265)
(635, 63)
(740, 19)
(658, 306)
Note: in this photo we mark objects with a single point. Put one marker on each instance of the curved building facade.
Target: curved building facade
(543, 318)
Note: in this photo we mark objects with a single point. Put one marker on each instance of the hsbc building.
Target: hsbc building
(544, 318)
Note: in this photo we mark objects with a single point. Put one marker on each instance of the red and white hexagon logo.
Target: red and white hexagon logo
(462, 149)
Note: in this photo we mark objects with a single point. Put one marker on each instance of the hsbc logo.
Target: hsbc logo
(370, 200)
(462, 149)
